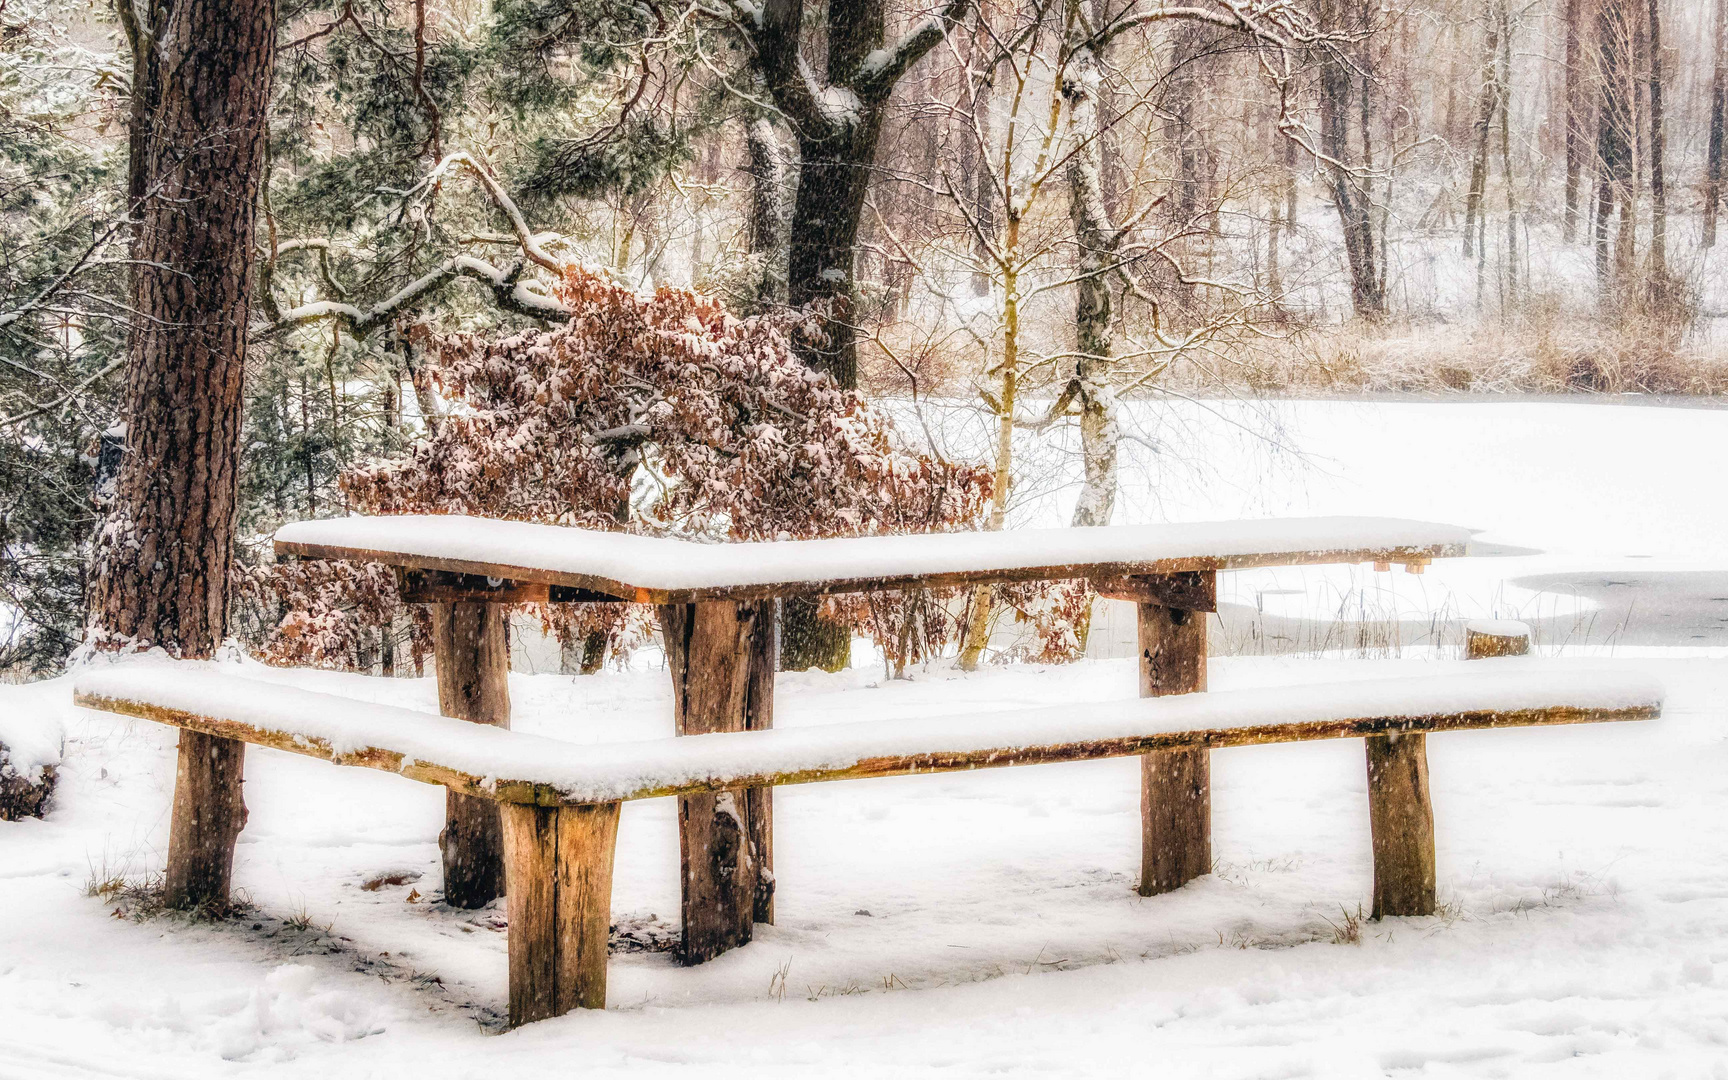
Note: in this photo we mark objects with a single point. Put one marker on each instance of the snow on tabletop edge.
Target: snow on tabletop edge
(607, 771)
(672, 564)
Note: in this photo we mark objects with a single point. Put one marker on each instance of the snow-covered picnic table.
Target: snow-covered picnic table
(715, 602)
(546, 814)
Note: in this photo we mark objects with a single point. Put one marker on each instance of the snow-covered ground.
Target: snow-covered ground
(986, 923)
(968, 923)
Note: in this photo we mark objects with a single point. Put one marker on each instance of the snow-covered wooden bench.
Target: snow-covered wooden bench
(560, 801)
(715, 604)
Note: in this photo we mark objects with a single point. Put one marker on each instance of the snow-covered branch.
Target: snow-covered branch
(883, 67)
(533, 243)
(49, 406)
(509, 292)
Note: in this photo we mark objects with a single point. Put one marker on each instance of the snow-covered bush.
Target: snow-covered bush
(659, 414)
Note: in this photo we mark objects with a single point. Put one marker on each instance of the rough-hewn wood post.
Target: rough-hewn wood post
(473, 658)
(759, 716)
(209, 812)
(708, 648)
(559, 864)
(1176, 785)
(1402, 819)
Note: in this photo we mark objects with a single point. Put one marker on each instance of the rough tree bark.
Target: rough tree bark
(162, 578)
(1509, 256)
(1189, 42)
(167, 549)
(144, 41)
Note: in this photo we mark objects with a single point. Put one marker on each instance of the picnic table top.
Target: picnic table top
(666, 570)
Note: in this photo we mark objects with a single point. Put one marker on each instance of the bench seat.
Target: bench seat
(559, 801)
(516, 767)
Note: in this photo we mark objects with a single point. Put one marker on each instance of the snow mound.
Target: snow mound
(32, 740)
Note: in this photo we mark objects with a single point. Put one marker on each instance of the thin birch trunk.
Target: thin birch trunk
(1718, 120)
(1658, 151)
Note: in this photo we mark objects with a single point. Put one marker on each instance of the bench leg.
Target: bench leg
(209, 812)
(1176, 819)
(1176, 785)
(559, 897)
(1402, 818)
(473, 659)
(708, 648)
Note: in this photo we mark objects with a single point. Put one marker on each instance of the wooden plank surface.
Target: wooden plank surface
(900, 562)
(519, 791)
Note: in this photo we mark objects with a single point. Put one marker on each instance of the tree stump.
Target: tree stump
(708, 649)
(1176, 785)
(558, 862)
(1485, 638)
(473, 660)
(1402, 819)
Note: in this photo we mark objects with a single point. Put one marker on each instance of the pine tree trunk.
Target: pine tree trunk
(167, 548)
(145, 41)
(1718, 120)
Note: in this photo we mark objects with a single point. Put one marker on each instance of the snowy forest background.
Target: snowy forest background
(999, 222)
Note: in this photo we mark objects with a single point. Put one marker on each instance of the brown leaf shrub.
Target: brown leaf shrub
(662, 415)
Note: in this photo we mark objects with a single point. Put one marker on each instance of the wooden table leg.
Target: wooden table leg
(759, 716)
(708, 646)
(473, 658)
(1176, 785)
(209, 812)
(559, 864)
